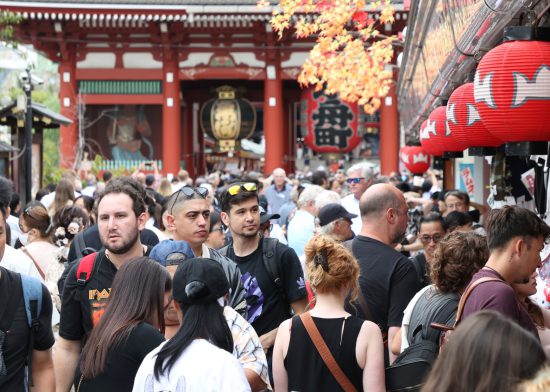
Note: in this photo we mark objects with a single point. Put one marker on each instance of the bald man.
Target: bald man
(278, 193)
(387, 279)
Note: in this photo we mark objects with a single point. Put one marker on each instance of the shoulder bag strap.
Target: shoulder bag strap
(467, 293)
(325, 353)
(26, 251)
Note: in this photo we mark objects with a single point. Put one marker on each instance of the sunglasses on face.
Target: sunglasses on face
(236, 189)
(355, 180)
(188, 192)
(426, 239)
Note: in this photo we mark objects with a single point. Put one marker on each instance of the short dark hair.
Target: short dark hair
(512, 221)
(227, 200)
(459, 195)
(432, 217)
(14, 202)
(6, 189)
(107, 175)
(130, 187)
(318, 177)
(456, 219)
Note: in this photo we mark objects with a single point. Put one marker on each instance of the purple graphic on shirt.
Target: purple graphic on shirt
(254, 296)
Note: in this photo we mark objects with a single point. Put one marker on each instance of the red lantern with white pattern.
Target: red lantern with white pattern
(512, 87)
(464, 120)
(415, 158)
(440, 133)
(425, 140)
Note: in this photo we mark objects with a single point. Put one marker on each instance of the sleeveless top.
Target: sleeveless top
(305, 367)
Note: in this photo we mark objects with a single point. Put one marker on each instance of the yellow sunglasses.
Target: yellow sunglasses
(247, 186)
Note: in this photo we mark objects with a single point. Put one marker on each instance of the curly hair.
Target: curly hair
(457, 258)
(330, 266)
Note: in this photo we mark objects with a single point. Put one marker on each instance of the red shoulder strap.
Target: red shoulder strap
(84, 270)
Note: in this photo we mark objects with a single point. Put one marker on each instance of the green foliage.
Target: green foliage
(7, 20)
(97, 164)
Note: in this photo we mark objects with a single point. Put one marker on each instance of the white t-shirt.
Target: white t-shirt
(17, 261)
(407, 317)
(202, 367)
(351, 204)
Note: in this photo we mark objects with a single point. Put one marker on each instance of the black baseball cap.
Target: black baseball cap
(264, 216)
(199, 281)
(332, 212)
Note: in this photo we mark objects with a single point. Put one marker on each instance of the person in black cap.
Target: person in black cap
(335, 222)
(199, 356)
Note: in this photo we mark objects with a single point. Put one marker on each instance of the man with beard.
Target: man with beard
(269, 302)
(387, 280)
(121, 216)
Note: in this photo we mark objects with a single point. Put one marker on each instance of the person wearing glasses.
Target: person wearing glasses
(431, 230)
(269, 299)
(188, 218)
(360, 177)
(121, 216)
(216, 235)
(460, 201)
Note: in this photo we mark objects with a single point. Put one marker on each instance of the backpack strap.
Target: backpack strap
(85, 269)
(270, 263)
(467, 293)
(80, 245)
(32, 295)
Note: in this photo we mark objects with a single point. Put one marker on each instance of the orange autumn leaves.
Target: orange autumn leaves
(349, 57)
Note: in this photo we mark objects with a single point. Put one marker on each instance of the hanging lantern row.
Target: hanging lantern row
(507, 103)
(415, 158)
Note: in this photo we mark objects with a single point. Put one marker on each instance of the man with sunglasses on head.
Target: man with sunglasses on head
(189, 220)
(270, 294)
(360, 177)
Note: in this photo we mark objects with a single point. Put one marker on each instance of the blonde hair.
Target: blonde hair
(540, 383)
(330, 266)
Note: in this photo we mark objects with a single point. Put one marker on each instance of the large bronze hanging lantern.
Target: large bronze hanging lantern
(228, 119)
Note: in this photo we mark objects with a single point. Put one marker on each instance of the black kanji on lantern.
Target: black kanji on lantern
(332, 118)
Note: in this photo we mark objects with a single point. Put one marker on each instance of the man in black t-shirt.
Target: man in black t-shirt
(267, 305)
(15, 333)
(121, 217)
(387, 279)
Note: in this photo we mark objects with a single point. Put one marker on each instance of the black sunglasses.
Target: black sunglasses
(188, 192)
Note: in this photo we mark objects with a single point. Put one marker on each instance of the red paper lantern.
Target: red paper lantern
(442, 137)
(464, 120)
(329, 124)
(512, 90)
(426, 141)
(415, 158)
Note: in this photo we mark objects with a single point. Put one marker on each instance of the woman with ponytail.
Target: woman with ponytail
(355, 345)
(198, 357)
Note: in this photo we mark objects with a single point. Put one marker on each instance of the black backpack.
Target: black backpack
(408, 371)
(269, 258)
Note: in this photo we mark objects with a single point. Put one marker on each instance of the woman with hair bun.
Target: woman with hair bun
(356, 345)
(36, 236)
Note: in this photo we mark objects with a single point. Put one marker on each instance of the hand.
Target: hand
(268, 339)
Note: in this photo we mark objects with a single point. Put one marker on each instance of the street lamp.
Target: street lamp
(27, 82)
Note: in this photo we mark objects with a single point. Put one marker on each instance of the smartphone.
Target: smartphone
(148, 164)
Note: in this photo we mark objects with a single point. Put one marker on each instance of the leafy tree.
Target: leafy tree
(350, 56)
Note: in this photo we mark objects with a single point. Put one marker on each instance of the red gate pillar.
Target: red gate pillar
(68, 134)
(171, 118)
(188, 142)
(389, 134)
(273, 119)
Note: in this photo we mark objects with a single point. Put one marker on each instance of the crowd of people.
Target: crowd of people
(323, 281)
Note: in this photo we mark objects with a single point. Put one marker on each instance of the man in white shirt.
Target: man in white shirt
(360, 177)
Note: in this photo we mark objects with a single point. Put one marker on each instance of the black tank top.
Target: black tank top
(305, 367)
